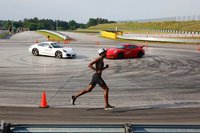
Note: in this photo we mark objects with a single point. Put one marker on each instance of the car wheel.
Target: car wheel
(120, 56)
(140, 54)
(35, 52)
(58, 54)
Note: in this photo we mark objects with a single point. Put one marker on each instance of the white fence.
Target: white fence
(174, 18)
(156, 38)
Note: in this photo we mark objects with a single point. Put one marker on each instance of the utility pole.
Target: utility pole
(56, 25)
(12, 28)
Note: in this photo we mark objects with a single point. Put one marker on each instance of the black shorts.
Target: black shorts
(97, 79)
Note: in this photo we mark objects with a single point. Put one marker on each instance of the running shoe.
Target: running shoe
(109, 107)
(73, 98)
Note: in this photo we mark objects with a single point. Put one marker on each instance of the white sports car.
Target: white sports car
(51, 49)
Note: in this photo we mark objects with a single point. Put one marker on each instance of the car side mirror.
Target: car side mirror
(50, 47)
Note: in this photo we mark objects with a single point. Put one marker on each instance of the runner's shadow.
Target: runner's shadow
(124, 110)
(120, 109)
(158, 106)
(94, 109)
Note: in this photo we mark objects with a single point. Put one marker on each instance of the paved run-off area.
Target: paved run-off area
(166, 77)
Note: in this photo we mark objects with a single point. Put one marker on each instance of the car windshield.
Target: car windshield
(133, 46)
(56, 45)
(120, 46)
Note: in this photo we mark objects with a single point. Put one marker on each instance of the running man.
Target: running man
(96, 79)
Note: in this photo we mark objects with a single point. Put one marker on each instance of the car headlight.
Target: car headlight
(114, 52)
(64, 51)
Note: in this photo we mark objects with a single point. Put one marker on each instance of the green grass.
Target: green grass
(190, 26)
(86, 31)
(52, 36)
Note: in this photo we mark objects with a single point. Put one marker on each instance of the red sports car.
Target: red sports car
(125, 51)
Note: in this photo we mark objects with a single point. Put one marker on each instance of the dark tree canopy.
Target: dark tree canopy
(49, 24)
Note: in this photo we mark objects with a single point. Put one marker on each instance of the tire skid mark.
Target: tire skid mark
(72, 76)
(10, 59)
(21, 60)
(176, 72)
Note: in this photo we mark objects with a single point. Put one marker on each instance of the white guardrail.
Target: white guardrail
(56, 33)
(157, 39)
(99, 128)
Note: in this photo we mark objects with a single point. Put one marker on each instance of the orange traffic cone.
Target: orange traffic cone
(43, 103)
(65, 41)
(97, 43)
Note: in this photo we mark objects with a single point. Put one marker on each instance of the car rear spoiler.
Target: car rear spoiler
(142, 46)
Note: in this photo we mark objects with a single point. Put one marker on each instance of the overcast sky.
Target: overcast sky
(82, 10)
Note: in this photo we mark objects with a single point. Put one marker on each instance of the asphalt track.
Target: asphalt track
(166, 79)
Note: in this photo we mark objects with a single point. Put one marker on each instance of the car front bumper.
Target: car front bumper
(30, 49)
(70, 55)
(111, 56)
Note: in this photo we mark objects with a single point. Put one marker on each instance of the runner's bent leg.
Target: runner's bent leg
(86, 90)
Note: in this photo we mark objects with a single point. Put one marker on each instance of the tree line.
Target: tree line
(49, 24)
